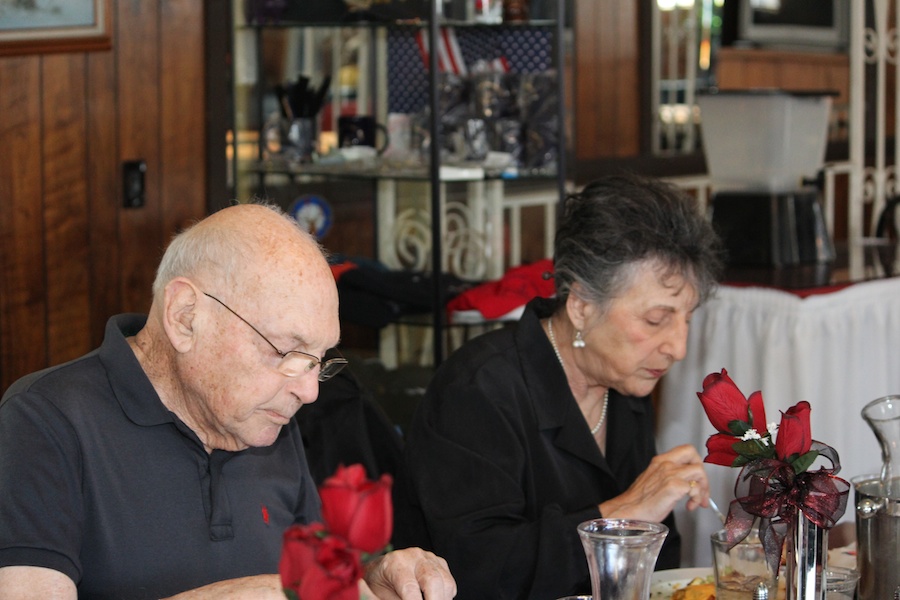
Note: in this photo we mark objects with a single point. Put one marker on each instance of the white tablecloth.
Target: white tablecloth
(837, 350)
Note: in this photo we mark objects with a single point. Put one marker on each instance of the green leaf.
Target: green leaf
(738, 428)
(753, 449)
(291, 594)
(740, 461)
(802, 463)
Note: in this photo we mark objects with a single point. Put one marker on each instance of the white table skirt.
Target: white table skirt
(836, 350)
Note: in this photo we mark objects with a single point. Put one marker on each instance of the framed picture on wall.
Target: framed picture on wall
(39, 26)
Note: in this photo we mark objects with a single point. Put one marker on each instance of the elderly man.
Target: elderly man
(167, 463)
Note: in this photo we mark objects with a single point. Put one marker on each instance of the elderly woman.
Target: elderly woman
(524, 433)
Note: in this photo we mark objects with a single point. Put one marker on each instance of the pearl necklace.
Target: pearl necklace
(599, 424)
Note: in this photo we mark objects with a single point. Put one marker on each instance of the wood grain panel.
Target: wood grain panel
(607, 79)
(103, 191)
(585, 84)
(605, 101)
(740, 68)
(182, 127)
(628, 109)
(23, 331)
(760, 75)
(140, 229)
(70, 255)
(65, 206)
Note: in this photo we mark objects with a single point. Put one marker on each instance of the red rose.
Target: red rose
(794, 434)
(724, 403)
(719, 450)
(319, 568)
(758, 413)
(357, 509)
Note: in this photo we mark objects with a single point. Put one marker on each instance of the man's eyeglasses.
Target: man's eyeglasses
(293, 362)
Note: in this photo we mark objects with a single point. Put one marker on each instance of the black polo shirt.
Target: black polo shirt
(101, 482)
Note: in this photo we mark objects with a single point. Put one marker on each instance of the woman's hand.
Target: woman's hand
(410, 574)
(670, 477)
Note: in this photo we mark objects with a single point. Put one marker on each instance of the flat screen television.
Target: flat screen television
(789, 24)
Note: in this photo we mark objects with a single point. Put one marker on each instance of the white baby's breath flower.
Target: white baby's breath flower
(772, 427)
(751, 434)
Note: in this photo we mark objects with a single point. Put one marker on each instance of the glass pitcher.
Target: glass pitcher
(621, 554)
(883, 416)
(878, 506)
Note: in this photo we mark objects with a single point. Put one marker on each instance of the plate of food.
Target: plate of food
(683, 584)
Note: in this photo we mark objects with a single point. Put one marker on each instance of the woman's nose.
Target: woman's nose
(676, 342)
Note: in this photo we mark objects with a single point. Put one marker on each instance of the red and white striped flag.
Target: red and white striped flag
(450, 58)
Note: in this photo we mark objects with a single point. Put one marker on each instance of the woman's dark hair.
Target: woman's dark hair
(617, 222)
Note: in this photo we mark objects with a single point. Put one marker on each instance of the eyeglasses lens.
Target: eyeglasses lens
(294, 365)
(331, 367)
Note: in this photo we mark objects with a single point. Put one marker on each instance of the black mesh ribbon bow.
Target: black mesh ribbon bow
(768, 489)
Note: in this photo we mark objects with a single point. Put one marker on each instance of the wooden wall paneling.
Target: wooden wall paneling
(141, 236)
(23, 305)
(607, 79)
(586, 82)
(70, 254)
(740, 68)
(64, 158)
(757, 75)
(182, 110)
(627, 80)
(605, 100)
(799, 76)
(104, 191)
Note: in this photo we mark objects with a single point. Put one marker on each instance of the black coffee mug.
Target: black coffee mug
(360, 130)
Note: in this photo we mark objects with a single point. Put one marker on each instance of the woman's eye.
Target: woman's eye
(657, 320)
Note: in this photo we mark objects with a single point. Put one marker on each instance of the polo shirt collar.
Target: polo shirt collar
(136, 395)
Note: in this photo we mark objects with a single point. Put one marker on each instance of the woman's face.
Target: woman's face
(640, 336)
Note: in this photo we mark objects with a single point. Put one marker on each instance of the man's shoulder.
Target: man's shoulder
(85, 372)
(56, 379)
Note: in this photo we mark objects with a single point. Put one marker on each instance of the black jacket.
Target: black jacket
(500, 467)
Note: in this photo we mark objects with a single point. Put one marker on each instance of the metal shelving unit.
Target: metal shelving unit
(250, 80)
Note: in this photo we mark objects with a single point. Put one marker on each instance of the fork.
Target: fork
(715, 508)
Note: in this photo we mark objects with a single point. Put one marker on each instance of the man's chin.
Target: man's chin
(265, 437)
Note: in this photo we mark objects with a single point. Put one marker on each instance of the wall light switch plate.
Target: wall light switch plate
(133, 183)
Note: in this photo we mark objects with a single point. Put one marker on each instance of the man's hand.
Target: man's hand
(410, 574)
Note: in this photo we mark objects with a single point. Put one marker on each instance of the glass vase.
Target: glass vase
(807, 553)
(621, 554)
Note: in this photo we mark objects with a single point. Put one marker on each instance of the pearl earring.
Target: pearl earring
(578, 342)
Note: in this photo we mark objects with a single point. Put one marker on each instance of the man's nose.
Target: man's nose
(304, 387)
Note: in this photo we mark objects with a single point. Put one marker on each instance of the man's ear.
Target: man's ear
(179, 313)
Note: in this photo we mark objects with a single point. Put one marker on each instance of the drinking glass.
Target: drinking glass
(840, 583)
(739, 570)
(621, 554)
